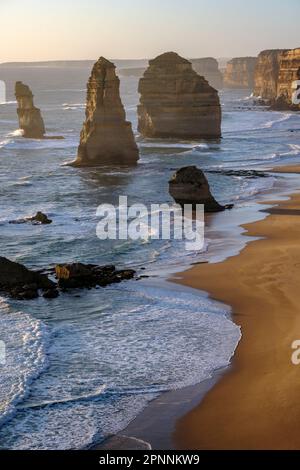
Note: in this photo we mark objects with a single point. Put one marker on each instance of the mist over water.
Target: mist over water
(83, 365)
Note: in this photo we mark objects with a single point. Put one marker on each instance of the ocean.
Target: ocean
(82, 366)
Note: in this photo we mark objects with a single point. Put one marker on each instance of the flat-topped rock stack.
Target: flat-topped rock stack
(239, 73)
(176, 102)
(208, 68)
(289, 72)
(30, 118)
(106, 136)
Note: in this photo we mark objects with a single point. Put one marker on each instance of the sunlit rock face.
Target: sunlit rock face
(176, 102)
(208, 68)
(267, 74)
(106, 136)
(30, 119)
(289, 72)
(239, 73)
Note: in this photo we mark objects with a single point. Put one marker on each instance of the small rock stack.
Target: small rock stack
(30, 119)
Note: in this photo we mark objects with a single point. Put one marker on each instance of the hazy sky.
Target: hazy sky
(86, 29)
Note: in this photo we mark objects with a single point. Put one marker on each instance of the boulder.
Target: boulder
(176, 102)
(190, 186)
(106, 136)
(38, 219)
(20, 282)
(30, 119)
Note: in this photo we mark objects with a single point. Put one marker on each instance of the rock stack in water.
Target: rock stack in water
(190, 186)
(176, 102)
(239, 73)
(30, 119)
(208, 68)
(289, 72)
(106, 136)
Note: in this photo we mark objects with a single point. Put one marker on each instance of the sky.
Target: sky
(128, 29)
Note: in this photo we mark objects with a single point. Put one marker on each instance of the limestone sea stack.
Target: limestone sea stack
(176, 102)
(267, 74)
(30, 119)
(106, 136)
(190, 186)
(239, 73)
(208, 68)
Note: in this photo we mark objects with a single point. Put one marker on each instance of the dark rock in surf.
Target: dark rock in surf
(190, 186)
(79, 275)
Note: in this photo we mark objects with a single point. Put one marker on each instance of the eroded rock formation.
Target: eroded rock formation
(267, 74)
(209, 69)
(190, 186)
(239, 73)
(289, 72)
(176, 102)
(30, 119)
(106, 136)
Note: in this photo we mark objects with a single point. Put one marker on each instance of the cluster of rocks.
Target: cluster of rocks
(30, 118)
(176, 102)
(239, 73)
(189, 185)
(23, 284)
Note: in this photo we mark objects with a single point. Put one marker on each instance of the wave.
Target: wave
(284, 117)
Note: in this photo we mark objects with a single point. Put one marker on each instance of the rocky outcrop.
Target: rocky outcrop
(176, 102)
(289, 72)
(38, 219)
(209, 69)
(78, 275)
(30, 119)
(106, 136)
(267, 74)
(21, 283)
(239, 73)
(190, 186)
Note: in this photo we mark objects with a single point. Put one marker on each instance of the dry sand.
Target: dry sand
(256, 405)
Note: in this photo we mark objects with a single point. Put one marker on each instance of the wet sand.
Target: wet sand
(256, 405)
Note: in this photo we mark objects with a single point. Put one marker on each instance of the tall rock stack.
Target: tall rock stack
(106, 136)
(176, 102)
(267, 74)
(289, 72)
(239, 73)
(30, 119)
(209, 69)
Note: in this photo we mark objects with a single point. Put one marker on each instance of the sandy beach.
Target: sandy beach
(256, 404)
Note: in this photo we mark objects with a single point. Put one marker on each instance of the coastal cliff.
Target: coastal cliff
(176, 102)
(267, 74)
(289, 72)
(30, 118)
(209, 69)
(239, 73)
(106, 136)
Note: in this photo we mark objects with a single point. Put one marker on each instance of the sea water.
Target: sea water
(82, 366)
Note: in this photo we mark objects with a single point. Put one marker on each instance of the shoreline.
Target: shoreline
(171, 421)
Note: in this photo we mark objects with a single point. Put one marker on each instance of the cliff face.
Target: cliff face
(106, 136)
(289, 71)
(176, 102)
(266, 74)
(239, 73)
(30, 119)
(209, 69)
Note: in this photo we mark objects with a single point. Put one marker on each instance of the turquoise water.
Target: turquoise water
(80, 368)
